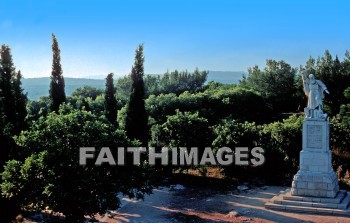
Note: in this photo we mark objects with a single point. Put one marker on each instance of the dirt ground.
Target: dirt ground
(179, 204)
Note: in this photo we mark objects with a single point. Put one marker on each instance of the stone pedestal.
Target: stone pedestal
(316, 176)
(315, 187)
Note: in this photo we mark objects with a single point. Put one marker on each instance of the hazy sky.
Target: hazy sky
(98, 37)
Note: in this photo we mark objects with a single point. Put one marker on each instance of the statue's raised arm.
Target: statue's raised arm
(306, 82)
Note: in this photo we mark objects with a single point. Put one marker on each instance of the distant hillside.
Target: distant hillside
(37, 87)
(97, 77)
(226, 77)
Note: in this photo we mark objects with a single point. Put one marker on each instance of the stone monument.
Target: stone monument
(316, 176)
(315, 187)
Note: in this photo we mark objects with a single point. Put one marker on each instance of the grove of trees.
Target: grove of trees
(40, 140)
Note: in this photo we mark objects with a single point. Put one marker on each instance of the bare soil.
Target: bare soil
(207, 199)
(207, 205)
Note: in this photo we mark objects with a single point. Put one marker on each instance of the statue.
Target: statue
(314, 91)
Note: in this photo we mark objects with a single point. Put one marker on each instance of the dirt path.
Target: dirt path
(180, 204)
(193, 205)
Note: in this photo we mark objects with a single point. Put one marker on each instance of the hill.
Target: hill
(226, 77)
(37, 87)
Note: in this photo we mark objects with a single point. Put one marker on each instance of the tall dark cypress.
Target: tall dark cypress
(8, 208)
(7, 74)
(3, 117)
(111, 108)
(57, 93)
(19, 103)
(136, 123)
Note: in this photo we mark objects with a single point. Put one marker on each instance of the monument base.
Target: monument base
(315, 184)
(339, 205)
(316, 177)
(315, 187)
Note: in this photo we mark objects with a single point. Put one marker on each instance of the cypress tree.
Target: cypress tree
(20, 103)
(57, 93)
(2, 107)
(8, 208)
(110, 100)
(7, 73)
(136, 123)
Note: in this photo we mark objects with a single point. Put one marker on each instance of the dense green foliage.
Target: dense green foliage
(184, 129)
(231, 133)
(87, 92)
(37, 109)
(57, 91)
(175, 82)
(282, 142)
(276, 84)
(213, 104)
(60, 182)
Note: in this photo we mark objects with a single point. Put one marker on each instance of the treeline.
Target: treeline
(281, 87)
(175, 82)
(41, 166)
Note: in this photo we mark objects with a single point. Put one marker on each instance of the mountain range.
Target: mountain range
(37, 87)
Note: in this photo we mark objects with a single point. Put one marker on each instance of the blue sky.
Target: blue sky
(97, 37)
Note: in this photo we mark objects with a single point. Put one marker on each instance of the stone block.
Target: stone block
(301, 191)
(322, 193)
(317, 179)
(324, 211)
(304, 167)
(299, 209)
(323, 168)
(302, 184)
(313, 168)
(311, 185)
(314, 199)
(331, 193)
(319, 162)
(330, 186)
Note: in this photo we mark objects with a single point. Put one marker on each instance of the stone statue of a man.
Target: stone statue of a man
(314, 91)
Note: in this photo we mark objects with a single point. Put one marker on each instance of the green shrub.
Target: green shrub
(50, 174)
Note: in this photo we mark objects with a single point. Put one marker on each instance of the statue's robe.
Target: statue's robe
(315, 94)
